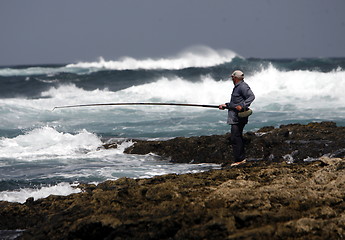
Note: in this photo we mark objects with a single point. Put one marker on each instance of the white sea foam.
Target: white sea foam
(177, 89)
(62, 189)
(133, 166)
(300, 89)
(275, 91)
(24, 109)
(197, 56)
(48, 71)
(46, 142)
(206, 91)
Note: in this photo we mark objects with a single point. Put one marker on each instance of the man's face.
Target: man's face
(234, 79)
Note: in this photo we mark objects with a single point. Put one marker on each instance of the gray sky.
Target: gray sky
(66, 31)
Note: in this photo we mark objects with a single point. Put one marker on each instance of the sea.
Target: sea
(46, 151)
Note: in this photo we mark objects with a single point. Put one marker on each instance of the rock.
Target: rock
(204, 149)
(266, 199)
(256, 201)
(291, 143)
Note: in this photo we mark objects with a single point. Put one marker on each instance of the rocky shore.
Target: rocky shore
(294, 188)
(291, 143)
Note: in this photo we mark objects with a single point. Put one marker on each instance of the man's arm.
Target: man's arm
(250, 98)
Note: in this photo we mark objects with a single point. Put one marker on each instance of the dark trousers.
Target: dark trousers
(237, 141)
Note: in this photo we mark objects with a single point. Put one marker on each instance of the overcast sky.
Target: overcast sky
(66, 31)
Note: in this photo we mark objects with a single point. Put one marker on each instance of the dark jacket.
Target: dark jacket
(241, 95)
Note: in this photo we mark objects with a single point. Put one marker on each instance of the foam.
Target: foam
(62, 189)
(275, 90)
(197, 56)
(206, 91)
(48, 71)
(132, 166)
(302, 89)
(46, 142)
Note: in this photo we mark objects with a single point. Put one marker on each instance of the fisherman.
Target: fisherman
(238, 113)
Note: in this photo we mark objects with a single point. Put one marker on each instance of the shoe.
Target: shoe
(225, 164)
(238, 163)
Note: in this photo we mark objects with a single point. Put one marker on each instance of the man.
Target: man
(241, 98)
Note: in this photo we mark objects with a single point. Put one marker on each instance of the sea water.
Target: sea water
(45, 152)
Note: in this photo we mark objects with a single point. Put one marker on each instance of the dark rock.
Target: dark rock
(298, 141)
(29, 200)
(266, 199)
(204, 149)
(260, 200)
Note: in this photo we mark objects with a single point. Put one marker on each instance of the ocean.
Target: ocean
(45, 152)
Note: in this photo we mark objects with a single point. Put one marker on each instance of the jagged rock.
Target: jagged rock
(259, 200)
(255, 201)
(204, 149)
(293, 142)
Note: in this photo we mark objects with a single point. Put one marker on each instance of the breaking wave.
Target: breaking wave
(199, 56)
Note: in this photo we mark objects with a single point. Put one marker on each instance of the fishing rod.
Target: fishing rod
(138, 103)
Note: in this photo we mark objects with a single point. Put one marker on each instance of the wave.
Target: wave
(62, 189)
(198, 56)
(301, 88)
(46, 142)
(207, 90)
(47, 71)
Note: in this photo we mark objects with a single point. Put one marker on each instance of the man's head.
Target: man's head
(237, 76)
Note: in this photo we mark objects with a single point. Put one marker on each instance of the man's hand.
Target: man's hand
(222, 106)
(238, 108)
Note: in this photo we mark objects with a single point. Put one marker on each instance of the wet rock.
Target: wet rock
(254, 201)
(204, 149)
(291, 143)
(266, 199)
